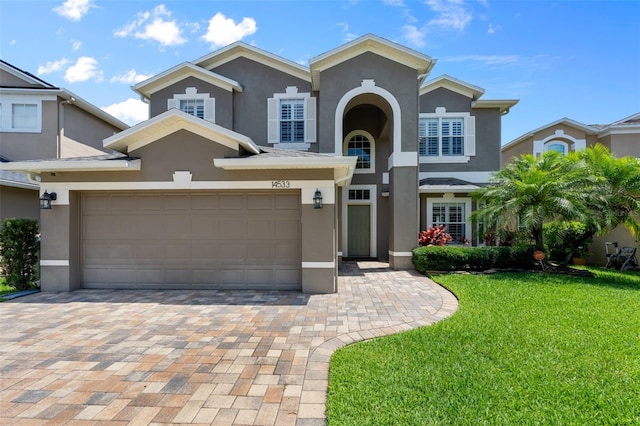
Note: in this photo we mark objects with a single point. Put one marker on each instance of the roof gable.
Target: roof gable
(27, 77)
(173, 75)
(453, 84)
(589, 130)
(171, 121)
(370, 43)
(240, 49)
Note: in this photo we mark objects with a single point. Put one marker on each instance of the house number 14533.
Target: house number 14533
(280, 184)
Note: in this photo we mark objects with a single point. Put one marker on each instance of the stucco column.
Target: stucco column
(319, 248)
(403, 216)
(59, 246)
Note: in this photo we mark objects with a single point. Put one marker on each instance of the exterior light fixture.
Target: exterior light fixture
(46, 199)
(317, 199)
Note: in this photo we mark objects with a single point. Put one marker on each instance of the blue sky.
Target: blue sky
(576, 59)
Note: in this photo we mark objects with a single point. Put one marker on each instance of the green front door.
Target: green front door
(359, 229)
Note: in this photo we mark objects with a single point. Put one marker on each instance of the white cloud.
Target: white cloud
(76, 44)
(155, 25)
(413, 35)
(73, 10)
(85, 68)
(493, 28)
(348, 36)
(223, 31)
(394, 2)
(52, 66)
(451, 14)
(131, 111)
(129, 77)
(12, 43)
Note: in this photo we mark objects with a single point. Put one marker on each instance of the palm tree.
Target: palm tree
(616, 199)
(532, 191)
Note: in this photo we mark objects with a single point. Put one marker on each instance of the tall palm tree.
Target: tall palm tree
(532, 191)
(616, 199)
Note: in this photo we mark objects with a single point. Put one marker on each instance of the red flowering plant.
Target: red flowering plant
(436, 236)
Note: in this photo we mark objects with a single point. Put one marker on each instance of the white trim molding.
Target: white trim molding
(61, 262)
(400, 253)
(323, 265)
(473, 177)
(368, 86)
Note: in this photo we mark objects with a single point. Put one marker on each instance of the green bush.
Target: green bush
(19, 252)
(452, 258)
(567, 239)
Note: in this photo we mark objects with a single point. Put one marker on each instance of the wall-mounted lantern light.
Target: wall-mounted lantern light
(46, 199)
(317, 199)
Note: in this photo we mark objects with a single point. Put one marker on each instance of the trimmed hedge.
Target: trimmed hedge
(19, 252)
(452, 258)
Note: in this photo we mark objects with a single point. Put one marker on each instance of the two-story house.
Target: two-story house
(39, 120)
(622, 137)
(256, 172)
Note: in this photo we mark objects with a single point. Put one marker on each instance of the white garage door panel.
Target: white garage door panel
(192, 240)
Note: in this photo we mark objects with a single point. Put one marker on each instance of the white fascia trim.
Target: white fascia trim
(72, 166)
(455, 189)
(444, 159)
(54, 263)
(569, 122)
(178, 73)
(343, 166)
(173, 120)
(450, 83)
(400, 253)
(21, 185)
(403, 159)
(243, 50)
(620, 129)
(307, 187)
(474, 177)
(324, 265)
(503, 104)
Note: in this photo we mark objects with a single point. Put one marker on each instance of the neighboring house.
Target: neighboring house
(218, 188)
(622, 137)
(39, 120)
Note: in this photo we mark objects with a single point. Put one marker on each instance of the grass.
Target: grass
(5, 288)
(522, 349)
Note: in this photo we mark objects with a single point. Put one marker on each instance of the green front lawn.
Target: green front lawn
(522, 349)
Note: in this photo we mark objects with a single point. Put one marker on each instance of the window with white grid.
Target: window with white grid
(441, 136)
(453, 216)
(193, 106)
(291, 120)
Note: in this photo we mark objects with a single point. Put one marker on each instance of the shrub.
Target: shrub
(567, 239)
(19, 251)
(436, 236)
(437, 258)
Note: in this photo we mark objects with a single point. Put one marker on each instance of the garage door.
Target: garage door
(235, 240)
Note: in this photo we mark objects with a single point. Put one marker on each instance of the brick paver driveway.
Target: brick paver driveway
(221, 357)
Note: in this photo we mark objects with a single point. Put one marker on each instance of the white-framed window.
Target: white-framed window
(445, 137)
(200, 105)
(291, 119)
(361, 144)
(22, 114)
(453, 213)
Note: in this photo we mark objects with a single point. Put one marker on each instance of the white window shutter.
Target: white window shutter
(310, 119)
(172, 103)
(273, 127)
(210, 109)
(470, 136)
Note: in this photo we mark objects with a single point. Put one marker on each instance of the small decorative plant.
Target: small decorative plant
(437, 235)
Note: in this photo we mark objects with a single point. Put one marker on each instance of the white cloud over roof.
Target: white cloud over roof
(223, 31)
(155, 25)
(85, 68)
(131, 111)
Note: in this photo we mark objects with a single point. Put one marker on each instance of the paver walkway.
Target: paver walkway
(208, 357)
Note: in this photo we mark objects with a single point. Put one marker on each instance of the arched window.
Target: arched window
(360, 144)
(557, 146)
